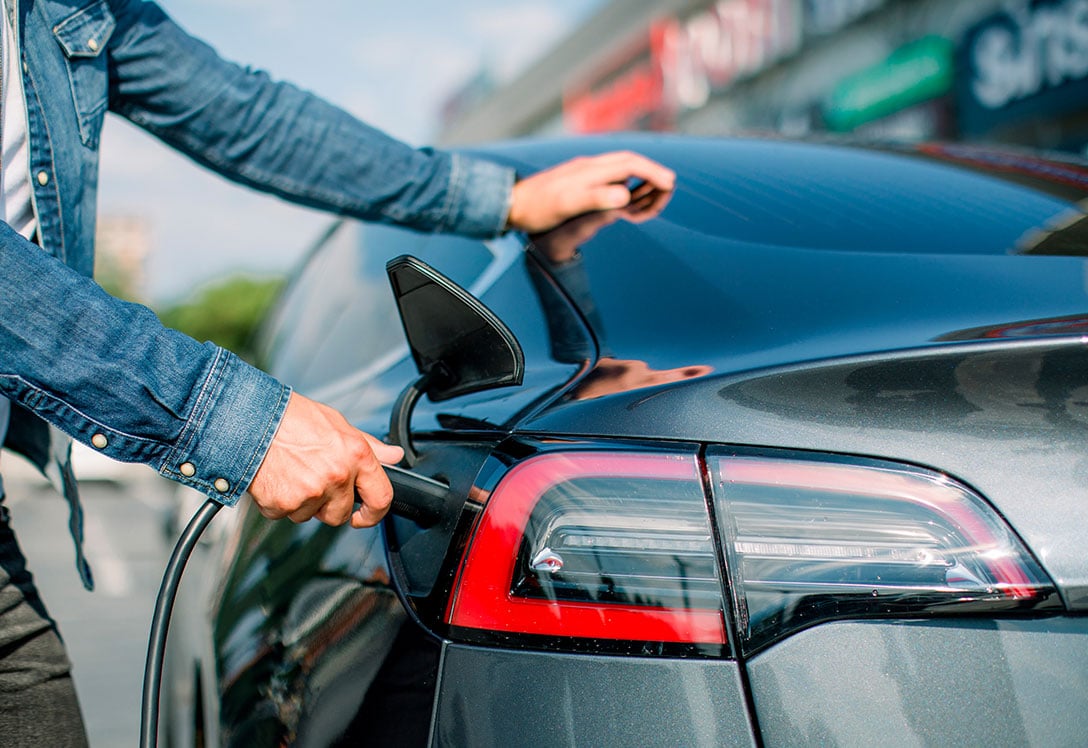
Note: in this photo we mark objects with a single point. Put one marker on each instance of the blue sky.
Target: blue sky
(388, 61)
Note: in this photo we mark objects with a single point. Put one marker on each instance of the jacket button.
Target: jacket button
(187, 469)
(99, 441)
(92, 44)
(221, 485)
(43, 178)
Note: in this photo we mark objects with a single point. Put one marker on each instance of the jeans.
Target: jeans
(38, 703)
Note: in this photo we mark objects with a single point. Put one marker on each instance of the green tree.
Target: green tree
(226, 312)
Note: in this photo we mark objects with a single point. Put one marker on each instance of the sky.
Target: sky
(390, 62)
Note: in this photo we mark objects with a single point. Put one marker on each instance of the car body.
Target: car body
(801, 460)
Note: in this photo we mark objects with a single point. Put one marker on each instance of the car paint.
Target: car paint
(910, 683)
(552, 699)
(1008, 418)
(804, 320)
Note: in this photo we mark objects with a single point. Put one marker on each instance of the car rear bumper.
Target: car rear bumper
(962, 682)
(491, 697)
(967, 682)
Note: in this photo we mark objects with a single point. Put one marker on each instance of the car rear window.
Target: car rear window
(866, 201)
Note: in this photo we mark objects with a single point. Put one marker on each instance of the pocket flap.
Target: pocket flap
(86, 32)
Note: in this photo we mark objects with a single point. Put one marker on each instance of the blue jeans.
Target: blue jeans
(38, 704)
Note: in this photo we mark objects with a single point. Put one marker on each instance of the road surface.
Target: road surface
(127, 546)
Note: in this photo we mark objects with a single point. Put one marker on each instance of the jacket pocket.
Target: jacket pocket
(84, 36)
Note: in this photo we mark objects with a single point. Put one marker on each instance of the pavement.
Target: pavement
(126, 510)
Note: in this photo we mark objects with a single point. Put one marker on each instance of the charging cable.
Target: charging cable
(160, 621)
(418, 498)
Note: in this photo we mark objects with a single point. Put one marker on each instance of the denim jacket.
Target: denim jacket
(107, 372)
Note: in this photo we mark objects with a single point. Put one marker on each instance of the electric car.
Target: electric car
(801, 460)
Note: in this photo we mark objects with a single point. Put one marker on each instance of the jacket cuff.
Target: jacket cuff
(229, 430)
(479, 197)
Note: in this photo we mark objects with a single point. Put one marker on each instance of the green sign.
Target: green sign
(916, 72)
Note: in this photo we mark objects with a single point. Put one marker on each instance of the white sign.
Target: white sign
(1043, 47)
(730, 40)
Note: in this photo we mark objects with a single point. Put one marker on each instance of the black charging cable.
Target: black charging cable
(416, 497)
(160, 621)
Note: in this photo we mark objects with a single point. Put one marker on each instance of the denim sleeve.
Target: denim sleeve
(110, 375)
(280, 139)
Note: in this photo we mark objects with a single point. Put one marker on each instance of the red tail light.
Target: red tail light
(595, 545)
(810, 541)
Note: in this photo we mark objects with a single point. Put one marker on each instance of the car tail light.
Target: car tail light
(808, 541)
(595, 546)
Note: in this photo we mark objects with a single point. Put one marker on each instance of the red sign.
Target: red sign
(631, 96)
(683, 62)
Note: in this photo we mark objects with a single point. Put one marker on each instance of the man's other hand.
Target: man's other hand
(610, 181)
(318, 464)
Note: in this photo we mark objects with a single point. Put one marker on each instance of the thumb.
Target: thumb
(387, 454)
(610, 197)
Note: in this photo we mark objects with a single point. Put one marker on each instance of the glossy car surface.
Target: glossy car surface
(813, 441)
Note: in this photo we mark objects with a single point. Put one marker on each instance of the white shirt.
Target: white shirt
(16, 208)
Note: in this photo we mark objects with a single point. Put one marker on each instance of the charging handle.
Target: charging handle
(423, 500)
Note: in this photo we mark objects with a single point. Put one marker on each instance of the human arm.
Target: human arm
(280, 139)
(102, 369)
(110, 375)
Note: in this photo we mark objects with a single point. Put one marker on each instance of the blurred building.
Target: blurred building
(122, 244)
(1007, 71)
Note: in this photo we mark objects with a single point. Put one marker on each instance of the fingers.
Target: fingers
(387, 454)
(582, 185)
(640, 203)
(318, 465)
(607, 197)
(645, 194)
(622, 166)
(372, 486)
(646, 202)
(375, 493)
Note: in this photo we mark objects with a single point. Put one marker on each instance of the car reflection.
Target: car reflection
(560, 251)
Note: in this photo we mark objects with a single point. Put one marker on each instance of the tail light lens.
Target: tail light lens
(579, 549)
(595, 546)
(808, 541)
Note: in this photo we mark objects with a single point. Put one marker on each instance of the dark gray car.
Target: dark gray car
(801, 461)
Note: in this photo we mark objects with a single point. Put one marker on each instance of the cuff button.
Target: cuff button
(187, 469)
(221, 485)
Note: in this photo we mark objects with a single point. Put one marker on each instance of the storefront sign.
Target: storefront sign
(730, 40)
(1029, 61)
(914, 73)
(629, 96)
(683, 62)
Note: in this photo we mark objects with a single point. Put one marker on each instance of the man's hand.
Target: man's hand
(316, 466)
(561, 243)
(583, 185)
